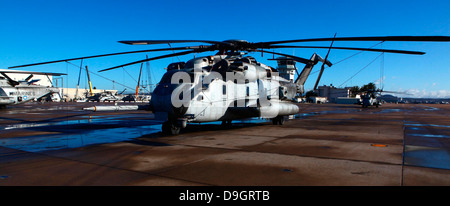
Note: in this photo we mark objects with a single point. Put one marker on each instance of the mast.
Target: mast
(139, 79)
(89, 80)
(79, 76)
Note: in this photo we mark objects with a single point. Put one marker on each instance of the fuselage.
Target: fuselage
(222, 87)
(22, 93)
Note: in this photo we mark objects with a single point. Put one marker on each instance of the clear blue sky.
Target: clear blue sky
(35, 31)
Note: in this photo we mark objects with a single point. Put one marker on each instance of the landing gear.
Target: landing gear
(170, 128)
(279, 120)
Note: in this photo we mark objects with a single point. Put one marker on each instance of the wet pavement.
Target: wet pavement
(322, 145)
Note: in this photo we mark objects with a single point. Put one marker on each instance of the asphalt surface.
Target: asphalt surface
(329, 144)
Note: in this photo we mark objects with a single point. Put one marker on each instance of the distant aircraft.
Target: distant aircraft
(17, 92)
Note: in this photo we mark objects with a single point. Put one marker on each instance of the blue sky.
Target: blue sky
(35, 31)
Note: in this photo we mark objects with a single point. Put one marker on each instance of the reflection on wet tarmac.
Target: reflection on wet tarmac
(78, 133)
(427, 157)
(427, 125)
(431, 135)
(425, 144)
(389, 111)
(90, 130)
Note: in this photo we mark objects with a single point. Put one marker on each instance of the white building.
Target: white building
(70, 93)
(332, 93)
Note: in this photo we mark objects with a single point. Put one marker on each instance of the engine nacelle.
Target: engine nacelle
(253, 73)
(278, 109)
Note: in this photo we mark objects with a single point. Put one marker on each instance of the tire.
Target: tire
(275, 121)
(174, 130)
(279, 120)
(170, 128)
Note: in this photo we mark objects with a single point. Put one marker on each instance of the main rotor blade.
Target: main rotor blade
(353, 48)
(112, 54)
(323, 64)
(30, 72)
(394, 92)
(11, 82)
(29, 77)
(146, 42)
(153, 58)
(295, 58)
(379, 38)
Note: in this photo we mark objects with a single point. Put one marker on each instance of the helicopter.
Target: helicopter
(18, 92)
(230, 85)
(369, 97)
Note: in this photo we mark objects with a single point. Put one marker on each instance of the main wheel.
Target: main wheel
(278, 120)
(274, 121)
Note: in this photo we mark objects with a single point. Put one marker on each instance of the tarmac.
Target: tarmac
(59, 144)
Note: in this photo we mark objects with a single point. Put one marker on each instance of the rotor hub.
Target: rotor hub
(237, 44)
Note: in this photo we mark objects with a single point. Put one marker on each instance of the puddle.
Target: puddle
(61, 141)
(310, 114)
(427, 157)
(383, 111)
(85, 120)
(415, 128)
(430, 135)
(91, 130)
(81, 132)
(287, 170)
(427, 125)
(424, 149)
(254, 120)
(305, 115)
(428, 108)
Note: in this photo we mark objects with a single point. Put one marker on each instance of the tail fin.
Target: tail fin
(301, 79)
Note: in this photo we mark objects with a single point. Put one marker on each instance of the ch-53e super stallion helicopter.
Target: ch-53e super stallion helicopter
(229, 85)
(370, 97)
(18, 92)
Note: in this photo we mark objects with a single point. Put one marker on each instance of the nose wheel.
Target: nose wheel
(170, 128)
